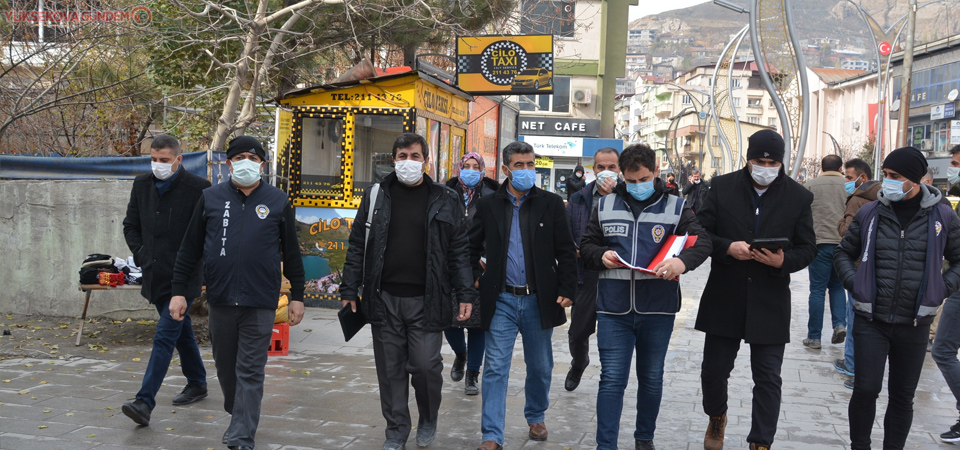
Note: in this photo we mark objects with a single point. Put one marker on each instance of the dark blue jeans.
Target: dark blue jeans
(823, 277)
(171, 334)
(617, 337)
(849, 342)
(472, 345)
(877, 343)
(947, 343)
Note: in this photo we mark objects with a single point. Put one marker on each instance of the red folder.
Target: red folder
(670, 248)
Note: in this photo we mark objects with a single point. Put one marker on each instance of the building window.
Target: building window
(686, 100)
(754, 103)
(715, 140)
(735, 83)
(754, 120)
(556, 17)
(558, 102)
(772, 122)
(736, 102)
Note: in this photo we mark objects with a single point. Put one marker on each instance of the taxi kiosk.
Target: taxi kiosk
(339, 143)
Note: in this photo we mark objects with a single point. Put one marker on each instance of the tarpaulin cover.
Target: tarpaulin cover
(92, 168)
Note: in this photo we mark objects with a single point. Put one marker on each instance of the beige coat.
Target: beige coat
(829, 198)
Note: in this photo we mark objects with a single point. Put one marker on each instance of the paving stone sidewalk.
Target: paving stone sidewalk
(324, 396)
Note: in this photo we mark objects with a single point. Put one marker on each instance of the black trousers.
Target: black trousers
(874, 343)
(583, 320)
(719, 355)
(241, 338)
(405, 354)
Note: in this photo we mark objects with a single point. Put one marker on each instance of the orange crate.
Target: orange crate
(280, 340)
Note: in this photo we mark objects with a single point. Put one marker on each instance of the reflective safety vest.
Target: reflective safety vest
(637, 241)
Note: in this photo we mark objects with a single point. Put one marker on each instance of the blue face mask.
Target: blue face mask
(850, 186)
(470, 177)
(892, 190)
(640, 191)
(522, 180)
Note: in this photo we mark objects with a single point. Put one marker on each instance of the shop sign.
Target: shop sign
(440, 102)
(944, 111)
(954, 132)
(544, 162)
(555, 126)
(511, 65)
(555, 146)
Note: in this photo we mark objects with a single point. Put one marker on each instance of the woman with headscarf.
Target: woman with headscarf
(471, 184)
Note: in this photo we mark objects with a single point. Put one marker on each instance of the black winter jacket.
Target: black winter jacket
(448, 265)
(154, 228)
(747, 299)
(488, 187)
(548, 251)
(242, 240)
(900, 259)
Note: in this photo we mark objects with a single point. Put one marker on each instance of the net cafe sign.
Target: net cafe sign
(551, 126)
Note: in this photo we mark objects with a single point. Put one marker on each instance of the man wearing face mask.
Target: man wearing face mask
(242, 230)
(160, 206)
(576, 182)
(892, 260)
(414, 261)
(696, 191)
(529, 279)
(947, 341)
(747, 296)
(637, 310)
(862, 189)
(583, 314)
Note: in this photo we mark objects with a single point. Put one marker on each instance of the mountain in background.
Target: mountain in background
(711, 26)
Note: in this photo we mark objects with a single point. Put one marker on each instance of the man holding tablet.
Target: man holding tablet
(747, 296)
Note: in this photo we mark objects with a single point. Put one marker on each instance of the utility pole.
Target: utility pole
(905, 87)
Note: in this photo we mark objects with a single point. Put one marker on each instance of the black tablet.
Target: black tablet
(772, 244)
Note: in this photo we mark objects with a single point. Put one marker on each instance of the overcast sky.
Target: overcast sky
(647, 7)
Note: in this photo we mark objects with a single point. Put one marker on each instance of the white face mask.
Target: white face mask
(161, 170)
(409, 171)
(764, 176)
(953, 175)
(245, 172)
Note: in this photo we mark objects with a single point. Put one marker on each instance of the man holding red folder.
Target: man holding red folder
(635, 309)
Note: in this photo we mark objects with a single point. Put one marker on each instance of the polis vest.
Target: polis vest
(637, 241)
(241, 251)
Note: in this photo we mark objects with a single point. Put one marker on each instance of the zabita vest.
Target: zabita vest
(241, 251)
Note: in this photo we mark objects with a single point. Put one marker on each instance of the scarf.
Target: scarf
(471, 193)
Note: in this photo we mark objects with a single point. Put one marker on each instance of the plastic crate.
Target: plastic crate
(280, 340)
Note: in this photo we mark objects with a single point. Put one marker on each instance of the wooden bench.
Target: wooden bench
(88, 289)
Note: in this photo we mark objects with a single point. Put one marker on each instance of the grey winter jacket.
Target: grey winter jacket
(900, 259)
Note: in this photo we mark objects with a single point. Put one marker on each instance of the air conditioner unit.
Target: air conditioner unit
(926, 145)
(581, 96)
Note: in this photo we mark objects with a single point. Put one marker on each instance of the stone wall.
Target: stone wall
(46, 230)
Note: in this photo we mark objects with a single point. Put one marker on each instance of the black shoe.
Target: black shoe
(573, 379)
(645, 445)
(223, 440)
(456, 372)
(848, 383)
(138, 411)
(470, 386)
(190, 394)
(426, 433)
(953, 435)
(240, 447)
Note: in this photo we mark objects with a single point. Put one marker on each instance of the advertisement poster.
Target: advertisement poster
(323, 234)
(444, 150)
(434, 141)
(509, 65)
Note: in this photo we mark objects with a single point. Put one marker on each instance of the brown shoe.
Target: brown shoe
(713, 440)
(489, 445)
(754, 446)
(538, 431)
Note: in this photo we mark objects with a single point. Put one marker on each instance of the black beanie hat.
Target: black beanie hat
(907, 161)
(765, 144)
(242, 144)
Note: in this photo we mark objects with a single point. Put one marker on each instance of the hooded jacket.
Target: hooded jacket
(901, 265)
(574, 183)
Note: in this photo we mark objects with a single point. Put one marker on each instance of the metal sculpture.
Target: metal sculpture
(721, 102)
